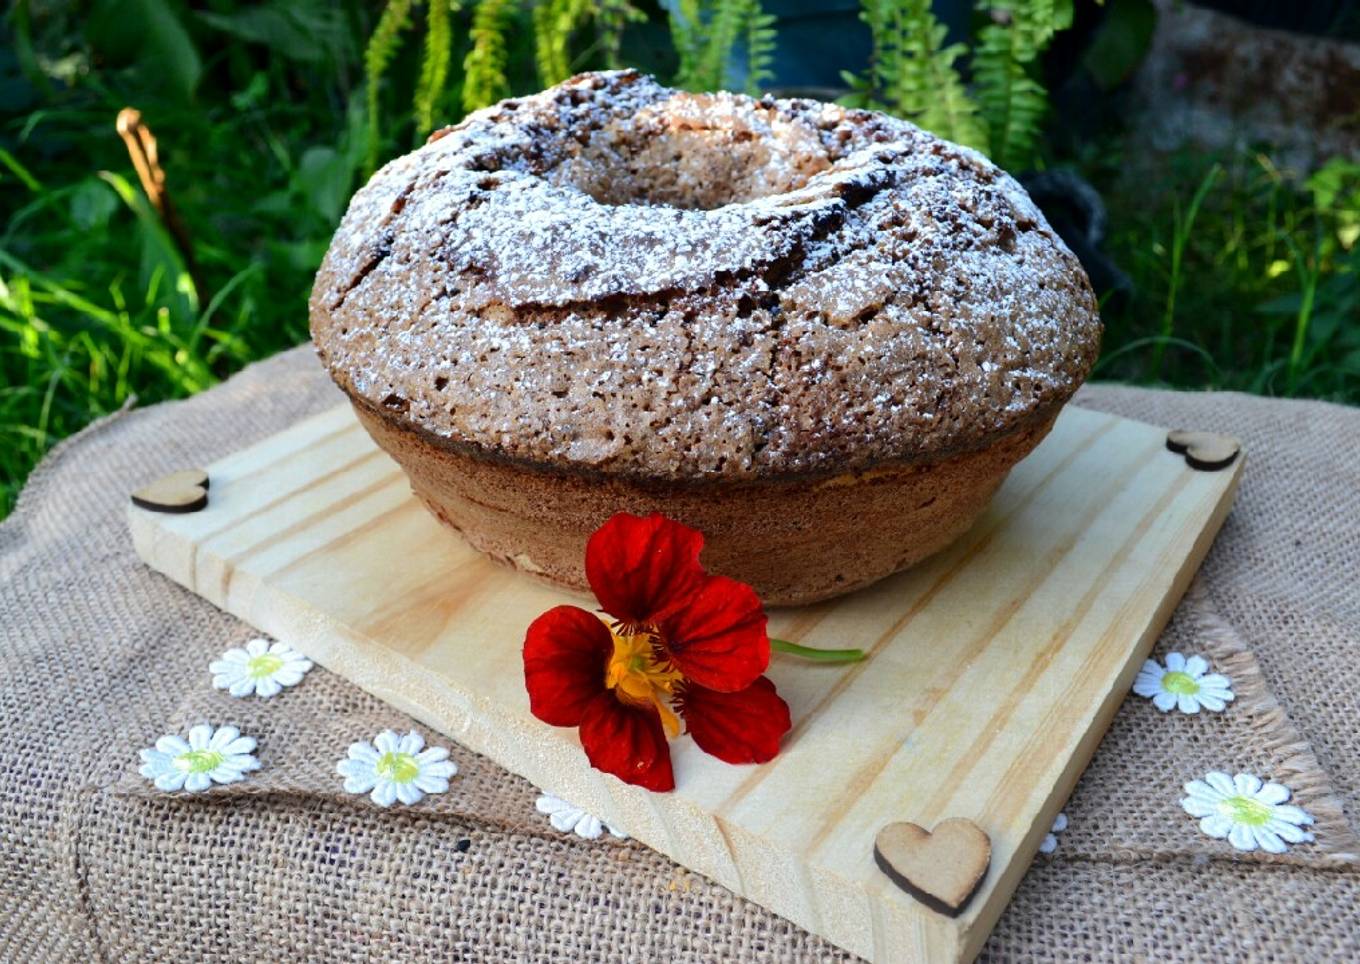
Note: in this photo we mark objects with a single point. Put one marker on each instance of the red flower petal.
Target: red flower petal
(741, 727)
(638, 567)
(627, 741)
(717, 636)
(565, 652)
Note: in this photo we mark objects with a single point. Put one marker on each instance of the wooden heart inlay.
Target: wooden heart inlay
(1206, 451)
(183, 491)
(941, 868)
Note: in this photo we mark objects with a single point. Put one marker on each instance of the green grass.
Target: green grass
(1246, 277)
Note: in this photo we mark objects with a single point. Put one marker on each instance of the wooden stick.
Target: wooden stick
(141, 147)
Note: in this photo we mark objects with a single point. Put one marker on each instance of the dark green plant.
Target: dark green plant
(705, 32)
(915, 75)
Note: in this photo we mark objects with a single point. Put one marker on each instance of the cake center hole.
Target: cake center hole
(696, 153)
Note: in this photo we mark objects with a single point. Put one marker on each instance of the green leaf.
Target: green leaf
(1121, 43)
(147, 33)
(93, 204)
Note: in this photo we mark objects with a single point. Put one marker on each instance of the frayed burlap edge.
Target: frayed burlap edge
(1297, 766)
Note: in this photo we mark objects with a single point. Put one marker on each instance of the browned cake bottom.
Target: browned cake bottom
(795, 541)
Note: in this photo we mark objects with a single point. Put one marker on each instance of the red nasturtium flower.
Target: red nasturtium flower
(680, 645)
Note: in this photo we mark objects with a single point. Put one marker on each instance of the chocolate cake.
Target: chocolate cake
(820, 335)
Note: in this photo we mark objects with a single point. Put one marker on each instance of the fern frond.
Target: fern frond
(612, 17)
(704, 33)
(484, 78)
(555, 21)
(760, 45)
(1011, 98)
(912, 73)
(378, 54)
(434, 68)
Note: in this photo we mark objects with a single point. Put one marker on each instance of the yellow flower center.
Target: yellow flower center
(1245, 810)
(397, 767)
(266, 664)
(199, 761)
(638, 677)
(1180, 683)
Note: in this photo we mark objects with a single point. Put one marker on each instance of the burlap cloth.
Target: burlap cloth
(100, 656)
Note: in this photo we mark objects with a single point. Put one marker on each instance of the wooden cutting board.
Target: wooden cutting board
(994, 668)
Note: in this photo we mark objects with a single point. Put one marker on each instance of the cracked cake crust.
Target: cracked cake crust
(620, 280)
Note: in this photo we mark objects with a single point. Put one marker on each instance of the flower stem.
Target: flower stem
(817, 655)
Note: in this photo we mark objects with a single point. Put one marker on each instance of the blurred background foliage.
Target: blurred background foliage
(1221, 269)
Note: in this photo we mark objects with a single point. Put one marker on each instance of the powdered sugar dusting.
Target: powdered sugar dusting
(615, 276)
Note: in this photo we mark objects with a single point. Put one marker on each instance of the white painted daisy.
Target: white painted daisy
(208, 756)
(259, 668)
(1050, 842)
(393, 768)
(1250, 813)
(1183, 683)
(569, 819)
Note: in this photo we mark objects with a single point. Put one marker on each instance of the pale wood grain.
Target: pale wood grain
(994, 667)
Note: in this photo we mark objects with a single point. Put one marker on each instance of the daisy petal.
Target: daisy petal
(199, 736)
(1289, 832)
(1241, 837)
(1216, 825)
(428, 783)
(1273, 793)
(1200, 790)
(242, 744)
(411, 743)
(1211, 702)
(197, 782)
(1247, 784)
(363, 751)
(243, 686)
(170, 780)
(1198, 806)
(1187, 703)
(172, 745)
(267, 687)
(1221, 782)
(589, 827)
(351, 767)
(433, 755)
(360, 782)
(1151, 668)
(384, 794)
(257, 646)
(1147, 686)
(1267, 840)
(1175, 662)
(1164, 701)
(386, 742)
(444, 768)
(1291, 814)
(222, 736)
(409, 793)
(1196, 666)
(241, 762)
